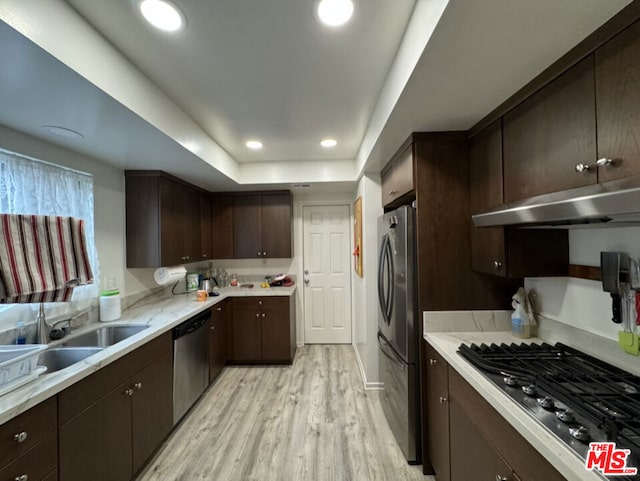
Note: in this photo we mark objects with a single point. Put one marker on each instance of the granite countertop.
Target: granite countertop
(550, 447)
(161, 315)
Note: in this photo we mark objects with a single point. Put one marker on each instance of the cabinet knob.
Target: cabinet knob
(263, 314)
(433, 361)
(22, 477)
(128, 392)
(501, 478)
(204, 256)
(582, 168)
(138, 385)
(264, 253)
(257, 314)
(442, 399)
(259, 254)
(213, 328)
(187, 257)
(260, 302)
(393, 192)
(497, 265)
(21, 437)
(604, 162)
(219, 309)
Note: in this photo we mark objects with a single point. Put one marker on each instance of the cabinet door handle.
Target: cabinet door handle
(583, 168)
(604, 162)
(22, 477)
(497, 265)
(259, 254)
(442, 399)
(21, 437)
(501, 478)
(138, 385)
(433, 361)
(128, 392)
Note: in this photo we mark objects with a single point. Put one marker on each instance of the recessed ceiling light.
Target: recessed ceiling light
(162, 14)
(254, 144)
(328, 143)
(63, 132)
(334, 12)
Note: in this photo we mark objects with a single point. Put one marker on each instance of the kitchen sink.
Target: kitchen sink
(57, 358)
(105, 336)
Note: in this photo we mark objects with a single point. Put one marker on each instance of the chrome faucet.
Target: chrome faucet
(41, 326)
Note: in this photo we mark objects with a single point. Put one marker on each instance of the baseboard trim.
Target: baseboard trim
(368, 386)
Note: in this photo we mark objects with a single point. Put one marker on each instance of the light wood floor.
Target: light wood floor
(312, 421)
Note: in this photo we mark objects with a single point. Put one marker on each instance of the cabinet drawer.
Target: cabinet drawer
(36, 423)
(36, 464)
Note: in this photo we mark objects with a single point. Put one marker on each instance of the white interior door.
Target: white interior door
(327, 274)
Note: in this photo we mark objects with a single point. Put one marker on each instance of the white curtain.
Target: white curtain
(31, 186)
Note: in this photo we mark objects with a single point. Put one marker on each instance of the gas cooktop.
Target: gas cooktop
(579, 398)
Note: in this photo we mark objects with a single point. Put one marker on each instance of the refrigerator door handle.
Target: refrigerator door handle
(383, 347)
(385, 290)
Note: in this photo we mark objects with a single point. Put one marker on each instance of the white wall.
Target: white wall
(365, 295)
(582, 303)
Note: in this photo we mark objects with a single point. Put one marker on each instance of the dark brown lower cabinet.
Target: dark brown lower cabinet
(262, 329)
(218, 340)
(37, 464)
(437, 420)
(472, 457)
(112, 421)
(466, 438)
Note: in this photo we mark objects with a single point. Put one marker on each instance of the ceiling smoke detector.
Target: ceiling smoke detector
(162, 14)
(334, 12)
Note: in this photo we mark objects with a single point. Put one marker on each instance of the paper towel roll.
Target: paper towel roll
(168, 275)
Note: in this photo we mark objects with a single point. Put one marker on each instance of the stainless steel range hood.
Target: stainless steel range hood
(612, 204)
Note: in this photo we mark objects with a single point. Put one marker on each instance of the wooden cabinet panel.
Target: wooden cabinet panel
(437, 414)
(152, 408)
(36, 464)
(96, 444)
(172, 246)
(206, 239)
(397, 177)
(618, 104)
(276, 225)
(222, 227)
(472, 457)
(247, 226)
(218, 340)
(549, 134)
(485, 169)
(37, 423)
(276, 344)
(246, 335)
(191, 224)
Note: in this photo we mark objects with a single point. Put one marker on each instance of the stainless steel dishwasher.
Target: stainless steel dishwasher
(190, 363)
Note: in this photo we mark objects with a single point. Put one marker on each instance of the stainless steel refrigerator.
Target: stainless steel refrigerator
(398, 328)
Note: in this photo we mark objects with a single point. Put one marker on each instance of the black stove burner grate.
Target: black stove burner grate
(607, 396)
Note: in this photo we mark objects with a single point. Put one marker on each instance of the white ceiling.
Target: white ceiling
(266, 69)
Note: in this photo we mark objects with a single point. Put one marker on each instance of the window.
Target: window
(31, 186)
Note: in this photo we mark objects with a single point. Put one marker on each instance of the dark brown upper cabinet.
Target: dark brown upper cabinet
(163, 220)
(206, 233)
(549, 140)
(617, 66)
(502, 251)
(262, 225)
(222, 226)
(398, 178)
